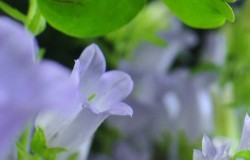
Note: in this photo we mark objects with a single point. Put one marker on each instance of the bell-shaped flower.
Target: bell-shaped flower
(100, 95)
(211, 152)
(27, 87)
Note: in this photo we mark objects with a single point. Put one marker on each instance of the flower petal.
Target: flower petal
(75, 73)
(17, 48)
(208, 149)
(197, 155)
(12, 121)
(16, 42)
(223, 152)
(121, 109)
(245, 138)
(56, 92)
(81, 128)
(91, 66)
(113, 87)
(55, 89)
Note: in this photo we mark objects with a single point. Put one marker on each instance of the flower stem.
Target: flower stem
(12, 12)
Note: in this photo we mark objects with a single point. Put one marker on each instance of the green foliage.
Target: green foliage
(22, 145)
(87, 18)
(162, 147)
(24, 155)
(39, 146)
(185, 147)
(237, 69)
(35, 21)
(202, 13)
(91, 18)
(245, 154)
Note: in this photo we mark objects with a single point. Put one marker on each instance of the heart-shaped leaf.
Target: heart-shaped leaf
(86, 18)
(202, 13)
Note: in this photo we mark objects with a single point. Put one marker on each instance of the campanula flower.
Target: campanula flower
(100, 95)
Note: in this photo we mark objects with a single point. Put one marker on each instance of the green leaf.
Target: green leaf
(202, 13)
(22, 144)
(87, 18)
(245, 154)
(24, 155)
(22, 147)
(230, 1)
(39, 146)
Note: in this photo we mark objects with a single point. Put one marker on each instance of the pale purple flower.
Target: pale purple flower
(101, 94)
(211, 152)
(189, 102)
(27, 87)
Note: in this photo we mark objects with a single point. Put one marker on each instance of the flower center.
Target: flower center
(92, 97)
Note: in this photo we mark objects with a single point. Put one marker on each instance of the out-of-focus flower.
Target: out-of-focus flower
(100, 95)
(27, 87)
(162, 100)
(215, 49)
(191, 113)
(210, 151)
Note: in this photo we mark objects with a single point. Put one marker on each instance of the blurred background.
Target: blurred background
(187, 82)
